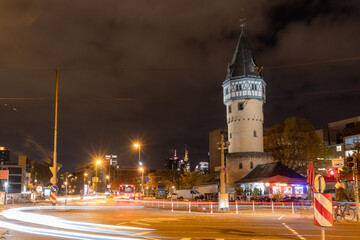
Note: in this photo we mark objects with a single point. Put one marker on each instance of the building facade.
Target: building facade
(4, 156)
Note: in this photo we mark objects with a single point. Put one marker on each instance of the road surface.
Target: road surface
(110, 219)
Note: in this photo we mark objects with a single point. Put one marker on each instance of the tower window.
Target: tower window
(226, 91)
(229, 109)
(240, 165)
(251, 165)
(241, 106)
(255, 133)
(230, 135)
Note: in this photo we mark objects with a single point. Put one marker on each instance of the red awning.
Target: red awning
(283, 179)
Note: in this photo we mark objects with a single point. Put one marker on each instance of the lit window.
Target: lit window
(338, 148)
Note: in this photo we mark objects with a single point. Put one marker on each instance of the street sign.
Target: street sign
(224, 169)
(337, 162)
(147, 179)
(319, 183)
(54, 189)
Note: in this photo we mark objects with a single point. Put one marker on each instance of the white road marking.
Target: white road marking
(294, 232)
(280, 217)
(141, 233)
(139, 223)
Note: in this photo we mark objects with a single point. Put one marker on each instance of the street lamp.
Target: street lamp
(85, 175)
(137, 145)
(96, 176)
(108, 181)
(6, 191)
(142, 180)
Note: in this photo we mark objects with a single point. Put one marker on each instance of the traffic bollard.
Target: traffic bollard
(272, 206)
(158, 203)
(163, 203)
(236, 207)
(189, 207)
(292, 206)
(211, 207)
(172, 206)
(152, 203)
(253, 206)
(177, 203)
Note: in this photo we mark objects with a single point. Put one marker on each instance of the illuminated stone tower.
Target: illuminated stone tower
(244, 96)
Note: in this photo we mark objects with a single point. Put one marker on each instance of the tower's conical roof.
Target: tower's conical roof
(242, 63)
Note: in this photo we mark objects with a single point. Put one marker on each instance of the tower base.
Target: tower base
(239, 164)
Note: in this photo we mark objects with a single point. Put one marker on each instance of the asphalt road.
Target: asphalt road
(158, 223)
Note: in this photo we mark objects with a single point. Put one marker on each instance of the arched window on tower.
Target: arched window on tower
(255, 133)
(229, 108)
(240, 106)
(240, 165)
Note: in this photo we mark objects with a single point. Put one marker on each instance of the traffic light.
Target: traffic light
(332, 173)
(350, 162)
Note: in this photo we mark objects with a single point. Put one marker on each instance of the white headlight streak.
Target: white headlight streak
(78, 230)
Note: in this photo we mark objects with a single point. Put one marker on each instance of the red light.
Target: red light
(332, 172)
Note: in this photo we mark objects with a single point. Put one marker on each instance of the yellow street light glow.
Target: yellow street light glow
(107, 177)
(136, 145)
(98, 162)
(141, 169)
(85, 174)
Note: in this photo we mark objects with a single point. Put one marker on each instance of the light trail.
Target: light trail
(84, 229)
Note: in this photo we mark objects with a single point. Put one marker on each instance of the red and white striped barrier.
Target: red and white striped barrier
(323, 209)
(53, 197)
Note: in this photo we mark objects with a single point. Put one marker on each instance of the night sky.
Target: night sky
(153, 71)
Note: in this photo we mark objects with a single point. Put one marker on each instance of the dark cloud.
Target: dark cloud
(170, 57)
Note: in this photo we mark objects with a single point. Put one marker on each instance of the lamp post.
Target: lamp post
(108, 182)
(66, 190)
(137, 145)
(142, 180)
(6, 191)
(96, 176)
(85, 175)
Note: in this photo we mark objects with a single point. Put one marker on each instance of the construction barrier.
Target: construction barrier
(53, 197)
(323, 215)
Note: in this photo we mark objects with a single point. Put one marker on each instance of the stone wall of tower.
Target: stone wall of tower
(245, 127)
(239, 164)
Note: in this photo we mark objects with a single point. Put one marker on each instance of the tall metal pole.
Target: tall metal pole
(55, 128)
(66, 188)
(356, 192)
(222, 145)
(222, 160)
(96, 177)
(142, 182)
(139, 155)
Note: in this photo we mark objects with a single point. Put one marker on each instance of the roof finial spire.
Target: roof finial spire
(242, 20)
